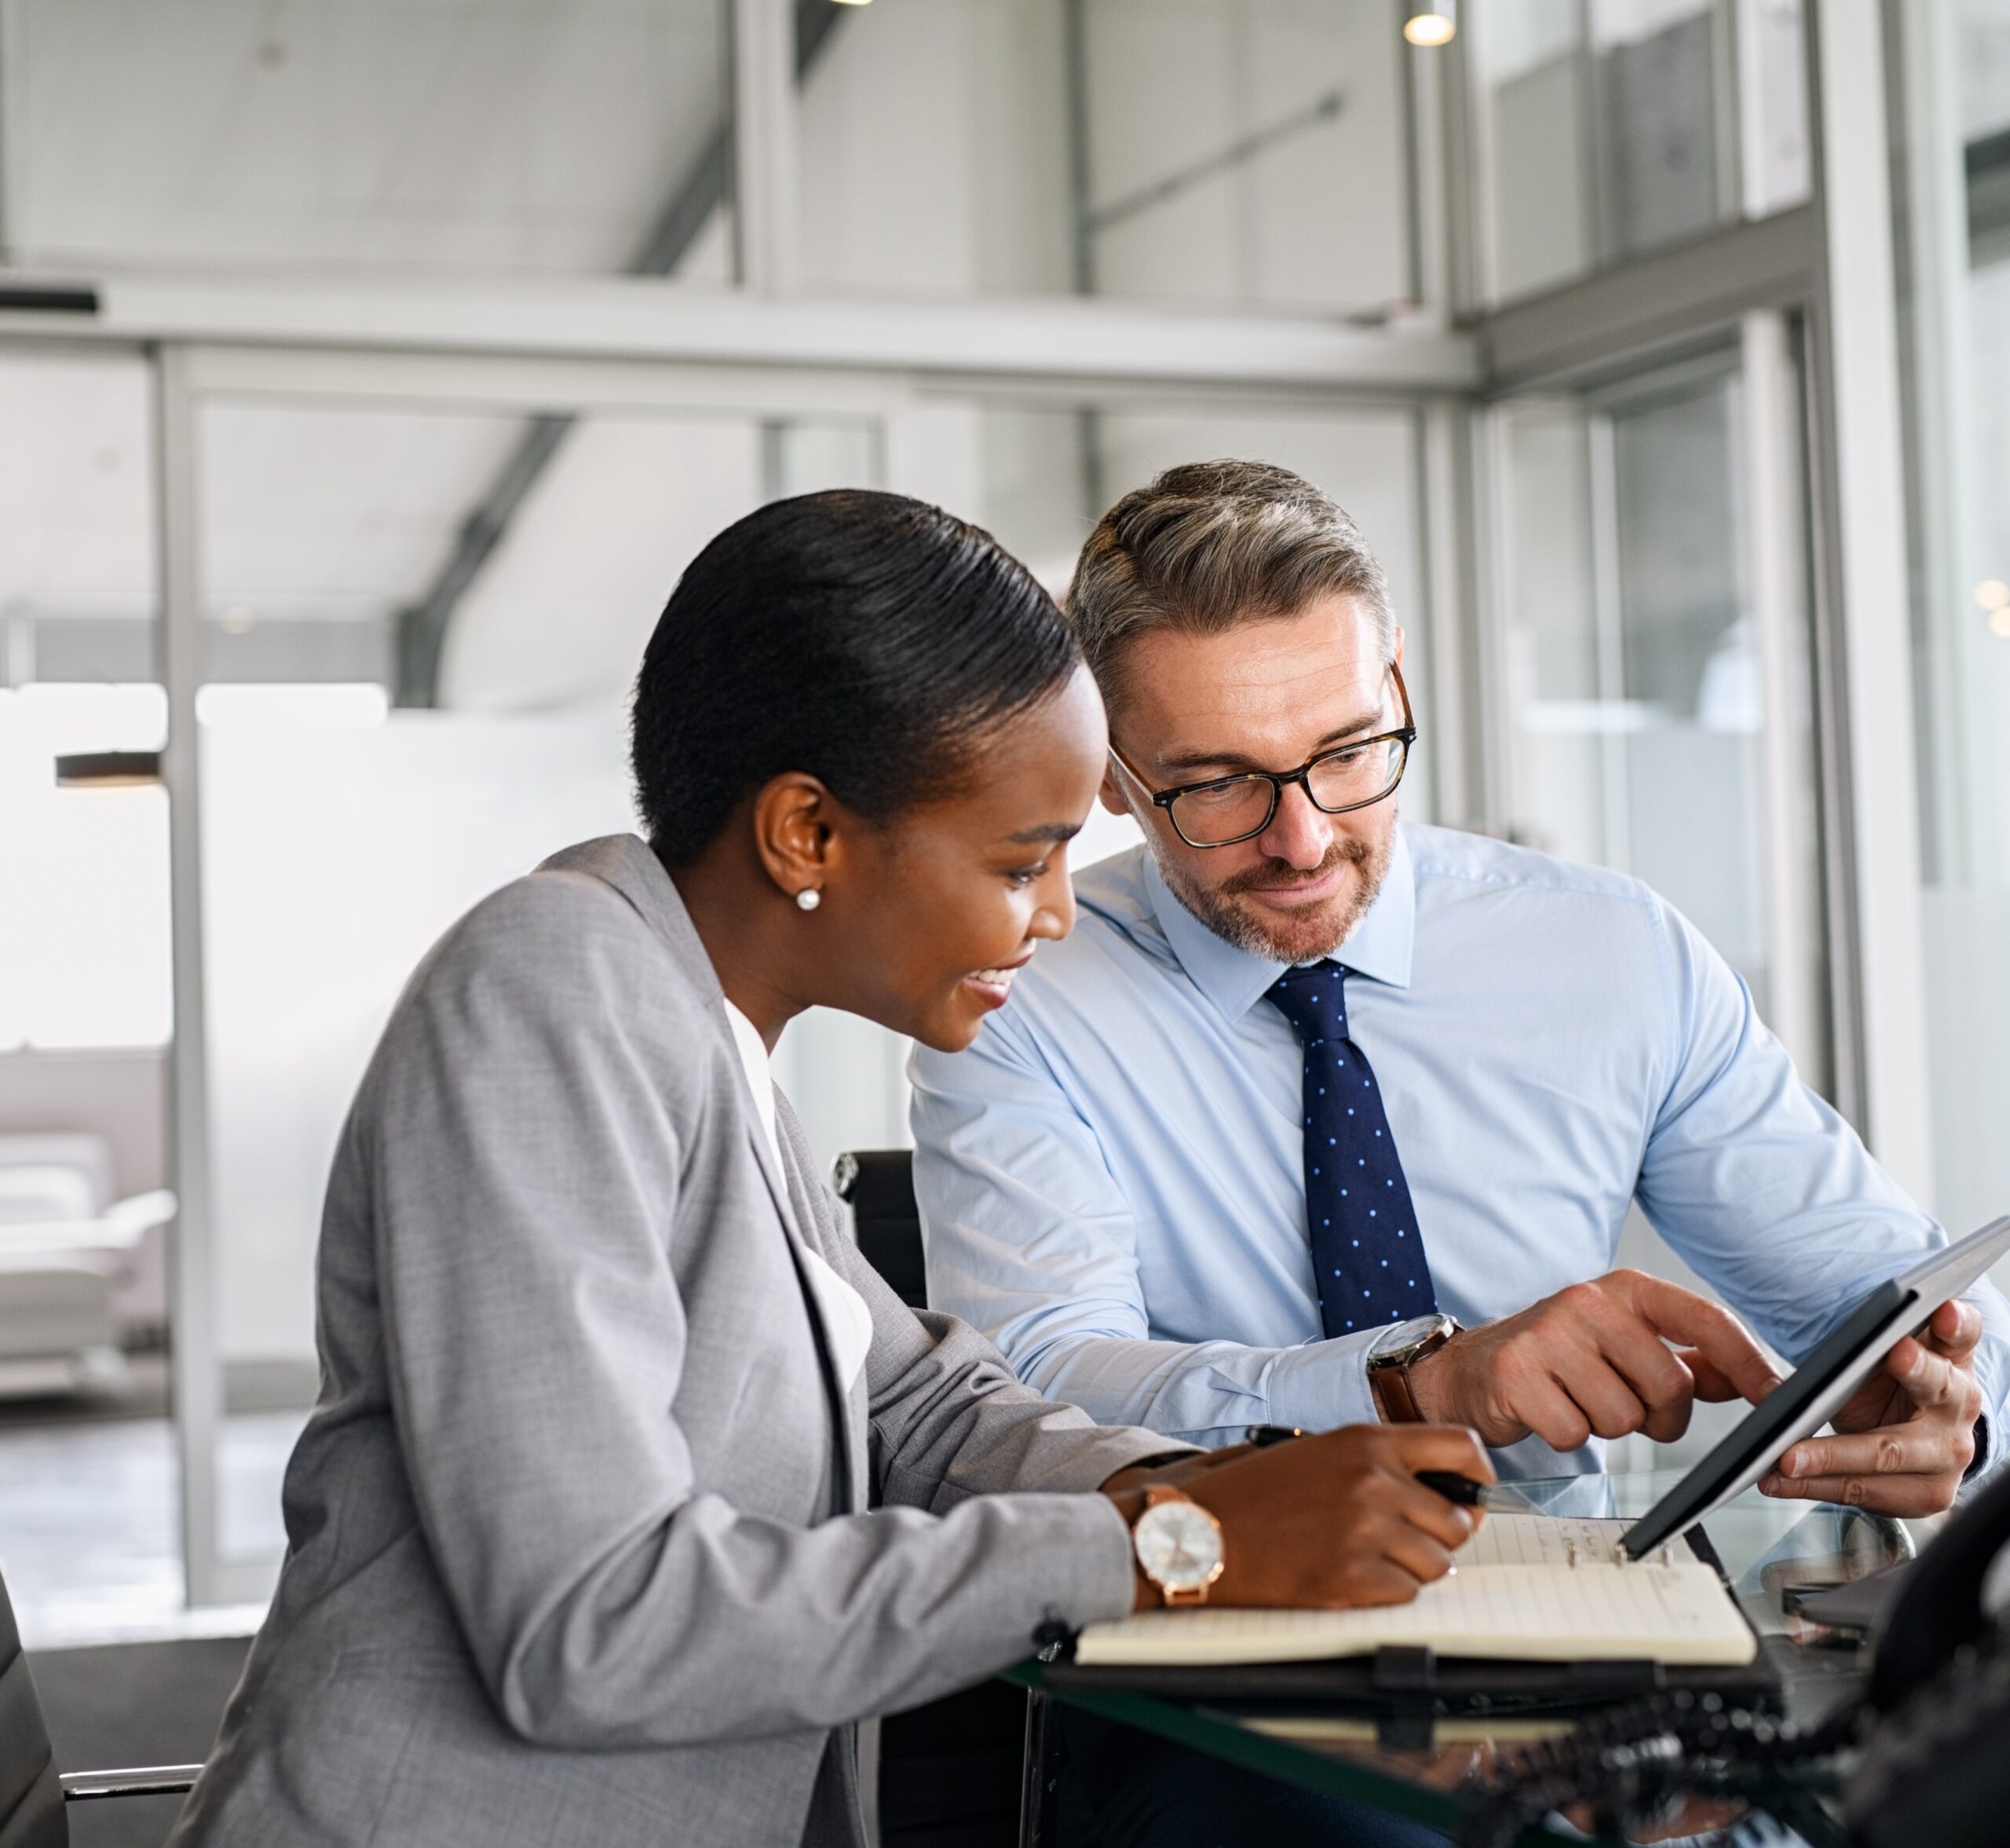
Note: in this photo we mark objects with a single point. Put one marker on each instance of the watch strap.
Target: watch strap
(1394, 1400)
(1389, 1380)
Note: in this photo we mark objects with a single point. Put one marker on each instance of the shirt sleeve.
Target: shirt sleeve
(1031, 1241)
(1764, 1188)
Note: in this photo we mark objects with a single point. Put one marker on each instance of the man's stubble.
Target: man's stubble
(1297, 941)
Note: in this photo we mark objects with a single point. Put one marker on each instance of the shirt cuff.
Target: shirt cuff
(1324, 1383)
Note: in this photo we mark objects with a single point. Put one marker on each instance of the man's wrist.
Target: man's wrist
(1396, 1363)
(1420, 1397)
(1395, 1399)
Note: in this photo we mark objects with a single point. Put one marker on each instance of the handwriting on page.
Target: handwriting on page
(1543, 1539)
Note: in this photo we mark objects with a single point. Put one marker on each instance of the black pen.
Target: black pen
(1453, 1486)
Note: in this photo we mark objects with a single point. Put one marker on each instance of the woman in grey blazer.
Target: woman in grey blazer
(630, 1488)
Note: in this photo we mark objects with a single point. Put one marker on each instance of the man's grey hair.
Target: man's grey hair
(1211, 545)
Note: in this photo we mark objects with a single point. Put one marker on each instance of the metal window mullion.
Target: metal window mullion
(1609, 641)
(196, 1363)
(1492, 545)
(1446, 541)
(1601, 207)
(1472, 147)
(1454, 111)
(1726, 122)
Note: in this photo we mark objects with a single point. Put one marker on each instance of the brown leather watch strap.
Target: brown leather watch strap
(1393, 1396)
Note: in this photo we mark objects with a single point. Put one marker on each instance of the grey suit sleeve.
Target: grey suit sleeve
(949, 1418)
(523, 1164)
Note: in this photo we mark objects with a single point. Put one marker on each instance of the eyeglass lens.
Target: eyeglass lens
(1222, 812)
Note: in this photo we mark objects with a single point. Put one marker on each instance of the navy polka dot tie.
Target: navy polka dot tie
(1367, 1251)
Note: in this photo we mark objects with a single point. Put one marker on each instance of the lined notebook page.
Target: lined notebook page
(1545, 1539)
(1514, 1596)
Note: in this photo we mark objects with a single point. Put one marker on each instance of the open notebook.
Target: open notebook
(1529, 1587)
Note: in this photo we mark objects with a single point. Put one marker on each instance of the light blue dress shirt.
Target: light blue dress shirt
(1111, 1179)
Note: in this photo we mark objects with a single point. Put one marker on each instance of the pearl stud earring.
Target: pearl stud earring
(808, 899)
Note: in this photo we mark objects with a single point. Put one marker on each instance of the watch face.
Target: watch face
(1179, 1545)
(1397, 1342)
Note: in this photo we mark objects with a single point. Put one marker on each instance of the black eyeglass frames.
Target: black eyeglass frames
(1226, 810)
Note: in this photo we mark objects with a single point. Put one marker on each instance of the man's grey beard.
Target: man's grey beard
(1316, 936)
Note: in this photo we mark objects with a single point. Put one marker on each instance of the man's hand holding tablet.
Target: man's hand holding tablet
(1907, 1435)
(1896, 1378)
(1628, 1352)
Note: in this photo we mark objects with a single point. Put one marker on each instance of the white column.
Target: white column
(1776, 525)
(764, 144)
(197, 1377)
(1867, 550)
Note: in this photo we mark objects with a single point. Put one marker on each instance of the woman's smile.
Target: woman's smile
(993, 987)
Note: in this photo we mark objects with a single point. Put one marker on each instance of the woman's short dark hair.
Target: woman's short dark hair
(864, 638)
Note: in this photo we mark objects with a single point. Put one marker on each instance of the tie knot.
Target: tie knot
(1313, 999)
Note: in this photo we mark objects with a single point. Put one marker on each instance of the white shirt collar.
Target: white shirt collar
(1380, 948)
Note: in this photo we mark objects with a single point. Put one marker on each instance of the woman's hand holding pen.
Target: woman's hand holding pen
(1327, 1520)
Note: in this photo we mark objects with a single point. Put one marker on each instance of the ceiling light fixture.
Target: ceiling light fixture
(1992, 593)
(1432, 25)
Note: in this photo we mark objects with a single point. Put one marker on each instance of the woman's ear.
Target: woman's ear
(792, 815)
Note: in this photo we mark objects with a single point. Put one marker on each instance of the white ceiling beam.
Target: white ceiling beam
(1054, 338)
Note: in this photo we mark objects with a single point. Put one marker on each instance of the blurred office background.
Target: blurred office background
(369, 372)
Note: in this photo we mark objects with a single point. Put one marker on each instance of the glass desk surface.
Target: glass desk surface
(1765, 1547)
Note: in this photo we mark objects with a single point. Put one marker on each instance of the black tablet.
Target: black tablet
(1819, 1387)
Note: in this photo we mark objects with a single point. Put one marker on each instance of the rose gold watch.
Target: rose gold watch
(1177, 1544)
(1391, 1358)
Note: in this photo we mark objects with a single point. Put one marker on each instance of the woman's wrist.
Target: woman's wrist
(1125, 1491)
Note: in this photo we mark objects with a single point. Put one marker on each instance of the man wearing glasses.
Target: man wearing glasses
(1318, 1118)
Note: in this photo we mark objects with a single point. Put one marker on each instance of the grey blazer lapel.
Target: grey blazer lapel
(628, 864)
(795, 1212)
(804, 1186)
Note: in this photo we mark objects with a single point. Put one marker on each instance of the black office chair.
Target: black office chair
(32, 1794)
(972, 1769)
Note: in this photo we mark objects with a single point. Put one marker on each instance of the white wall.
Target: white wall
(934, 150)
(336, 854)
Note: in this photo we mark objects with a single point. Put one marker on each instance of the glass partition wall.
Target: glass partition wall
(346, 815)
(1605, 129)
(1652, 665)
(1950, 78)
(87, 1529)
(408, 553)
